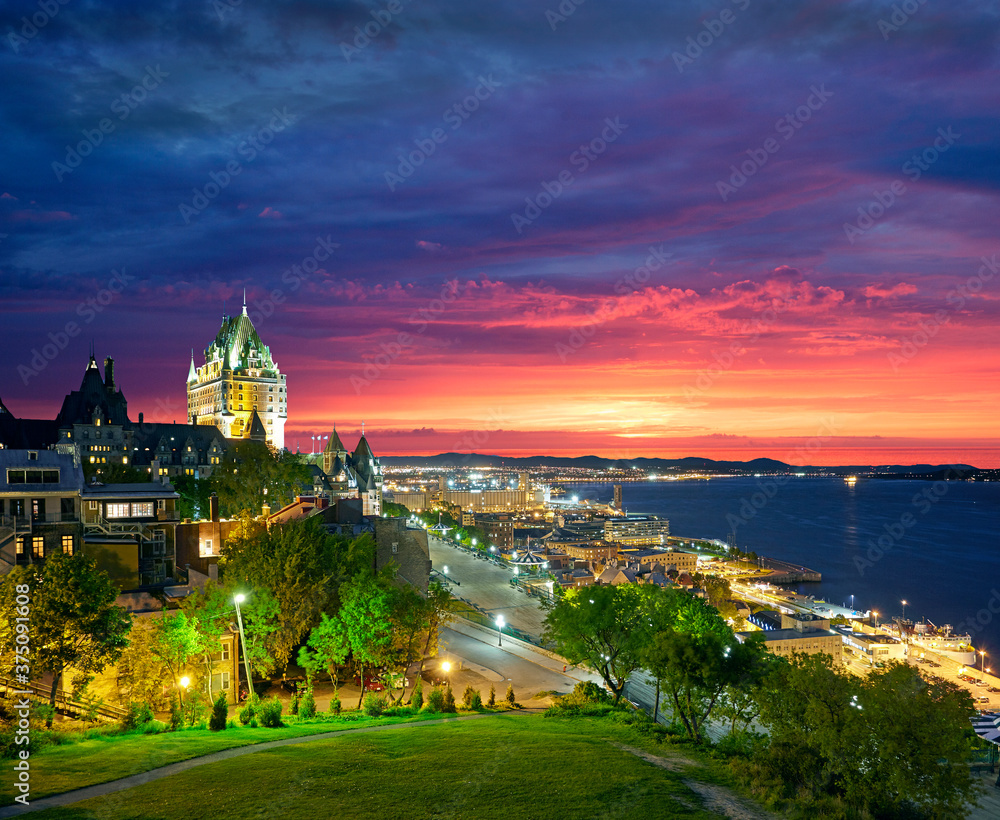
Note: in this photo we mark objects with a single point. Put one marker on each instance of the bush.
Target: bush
(307, 705)
(335, 703)
(195, 709)
(471, 699)
(511, 701)
(417, 697)
(449, 701)
(492, 702)
(138, 714)
(374, 705)
(154, 727)
(220, 712)
(293, 706)
(435, 700)
(247, 714)
(176, 716)
(269, 712)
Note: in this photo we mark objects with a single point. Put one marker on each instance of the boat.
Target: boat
(942, 640)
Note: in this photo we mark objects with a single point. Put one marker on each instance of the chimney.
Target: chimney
(109, 374)
(213, 506)
(140, 418)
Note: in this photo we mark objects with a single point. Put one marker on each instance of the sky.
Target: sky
(727, 229)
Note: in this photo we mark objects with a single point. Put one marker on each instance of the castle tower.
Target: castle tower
(239, 378)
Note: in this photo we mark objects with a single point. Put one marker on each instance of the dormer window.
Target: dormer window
(32, 455)
(97, 422)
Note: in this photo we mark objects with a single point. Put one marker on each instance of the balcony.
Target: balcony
(168, 515)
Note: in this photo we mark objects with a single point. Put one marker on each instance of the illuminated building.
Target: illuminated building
(238, 377)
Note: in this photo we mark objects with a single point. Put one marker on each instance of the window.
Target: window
(38, 546)
(117, 511)
(220, 682)
(67, 544)
(92, 505)
(205, 548)
(225, 652)
(32, 455)
(22, 545)
(142, 509)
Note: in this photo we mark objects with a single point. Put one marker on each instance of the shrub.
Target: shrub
(307, 705)
(511, 701)
(247, 714)
(471, 699)
(435, 700)
(176, 716)
(374, 705)
(492, 702)
(417, 697)
(195, 709)
(269, 712)
(449, 701)
(154, 727)
(293, 706)
(335, 703)
(138, 714)
(220, 712)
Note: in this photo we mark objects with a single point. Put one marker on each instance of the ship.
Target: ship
(942, 640)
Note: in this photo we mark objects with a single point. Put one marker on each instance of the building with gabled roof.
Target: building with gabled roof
(239, 378)
(178, 449)
(357, 474)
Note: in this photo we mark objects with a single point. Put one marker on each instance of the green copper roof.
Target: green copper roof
(239, 347)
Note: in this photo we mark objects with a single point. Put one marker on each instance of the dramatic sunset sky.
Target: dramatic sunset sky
(494, 180)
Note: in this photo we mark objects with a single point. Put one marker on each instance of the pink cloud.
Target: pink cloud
(5, 195)
(270, 213)
(883, 292)
(429, 246)
(40, 216)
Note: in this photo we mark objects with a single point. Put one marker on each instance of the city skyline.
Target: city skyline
(623, 231)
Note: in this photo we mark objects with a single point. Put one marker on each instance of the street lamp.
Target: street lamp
(446, 668)
(549, 585)
(184, 682)
(874, 618)
(982, 658)
(852, 604)
(239, 598)
(904, 609)
(500, 623)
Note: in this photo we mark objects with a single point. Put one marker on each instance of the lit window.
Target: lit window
(38, 546)
(67, 544)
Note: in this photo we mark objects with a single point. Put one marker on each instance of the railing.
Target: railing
(64, 703)
(125, 528)
(55, 518)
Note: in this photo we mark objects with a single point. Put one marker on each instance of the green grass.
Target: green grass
(62, 768)
(502, 766)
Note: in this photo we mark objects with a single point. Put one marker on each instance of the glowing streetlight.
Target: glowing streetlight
(445, 569)
(500, 623)
(982, 658)
(183, 683)
(549, 585)
(239, 598)
(446, 668)
(904, 609)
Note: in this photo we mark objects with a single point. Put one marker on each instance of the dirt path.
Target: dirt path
(715, 798)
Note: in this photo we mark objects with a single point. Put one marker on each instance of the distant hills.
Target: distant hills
(691, 464)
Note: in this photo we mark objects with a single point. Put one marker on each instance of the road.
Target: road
(477, 661)
(486, 584)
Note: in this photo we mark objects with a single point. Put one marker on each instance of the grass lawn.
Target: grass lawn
(504, 766)
(56, 769)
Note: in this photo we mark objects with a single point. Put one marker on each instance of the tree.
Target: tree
(74, 622)
(195, 494)
(891, 744)
(365, 616)
(141, 674)
(175, 640)
(411, 617)
(260, 622)
(603, 626)
(210, 612)
(696, 669)
(249, 469)
(302, 565)
(326, 649)
(439, 612)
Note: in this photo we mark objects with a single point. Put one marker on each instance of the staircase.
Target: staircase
(10, 528)
(65, 705)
